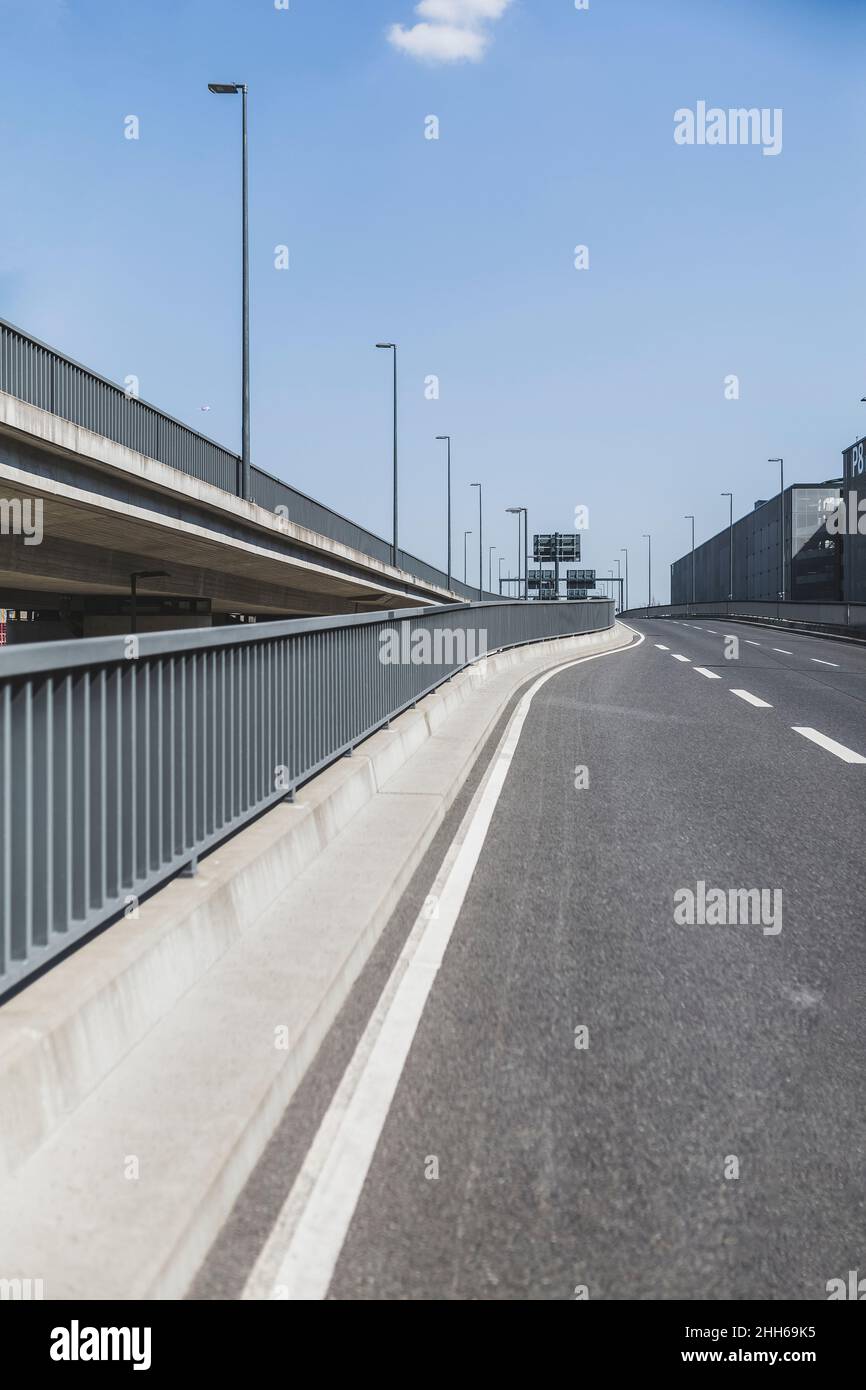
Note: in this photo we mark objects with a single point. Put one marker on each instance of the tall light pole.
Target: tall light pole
(692, 520)
(649, 572)
(625, 553)
(730, 495)
(781, 463)
(226, 89)
(448, 438)
(501, 558)
(480, 544)
(392, 347)
(490, 552)
(466, 534)
(518, 512)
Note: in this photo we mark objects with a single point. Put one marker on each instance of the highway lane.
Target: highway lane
(795, 673)
(712, 1049)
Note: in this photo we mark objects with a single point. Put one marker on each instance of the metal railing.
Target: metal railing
(122, 759)
(811, 613)
(38, 374)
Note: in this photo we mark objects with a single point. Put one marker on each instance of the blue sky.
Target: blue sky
(602, 387)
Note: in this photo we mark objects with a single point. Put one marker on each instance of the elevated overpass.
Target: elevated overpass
(109, 487)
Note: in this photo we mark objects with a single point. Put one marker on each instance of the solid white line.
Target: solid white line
(823, 663)
(710, 675)
(830, 744)
(677, 657)
(302, 1250)
(661, 648)
(751, 699)
(783, 652)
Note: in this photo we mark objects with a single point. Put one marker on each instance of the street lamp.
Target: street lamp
(781, 463)
(447, 438)
(731, 547)
(649, 581)
(692, 520)
(518, 512)
(466, 534)
(392, 347)
(480, 545)
(232, 89)
(490, 569)
(501, 558)
(625, 553)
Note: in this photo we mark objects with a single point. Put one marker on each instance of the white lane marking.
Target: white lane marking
(676, 656)
(661, 648)
(823, 663)
(750, 643)
(712, 630)
(846, 754)
(299, 1257)
(751, 699)
(710, 675)
(782, 651)
(698, 629)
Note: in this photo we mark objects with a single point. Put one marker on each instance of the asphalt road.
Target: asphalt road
(712, 1049)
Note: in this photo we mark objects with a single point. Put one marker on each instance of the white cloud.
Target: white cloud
(457, 33)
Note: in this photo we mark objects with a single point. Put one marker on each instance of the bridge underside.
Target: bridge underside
(95, 514)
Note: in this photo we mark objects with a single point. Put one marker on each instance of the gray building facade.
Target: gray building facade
(807, 564)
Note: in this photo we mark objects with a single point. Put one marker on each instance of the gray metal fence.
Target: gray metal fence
(124, 759)
(38, 374)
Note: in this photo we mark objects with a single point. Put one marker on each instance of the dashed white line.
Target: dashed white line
(846, 754)
(698, 629)
(752, 699)
(750, 643)
(677, 657)
(823, 663)
(782, 652)
(710, 675)
(712, 630)
(661, 648)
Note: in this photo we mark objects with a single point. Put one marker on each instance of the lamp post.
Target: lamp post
(392, 347)
(490, 552)
(730, 495)
(501, 558)
(466, 534)
(625, 553)
(649, 574)
(447, 437)
(781, 463)
(518, 512)
(232, 89)
(480, 545)
(692, 520)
